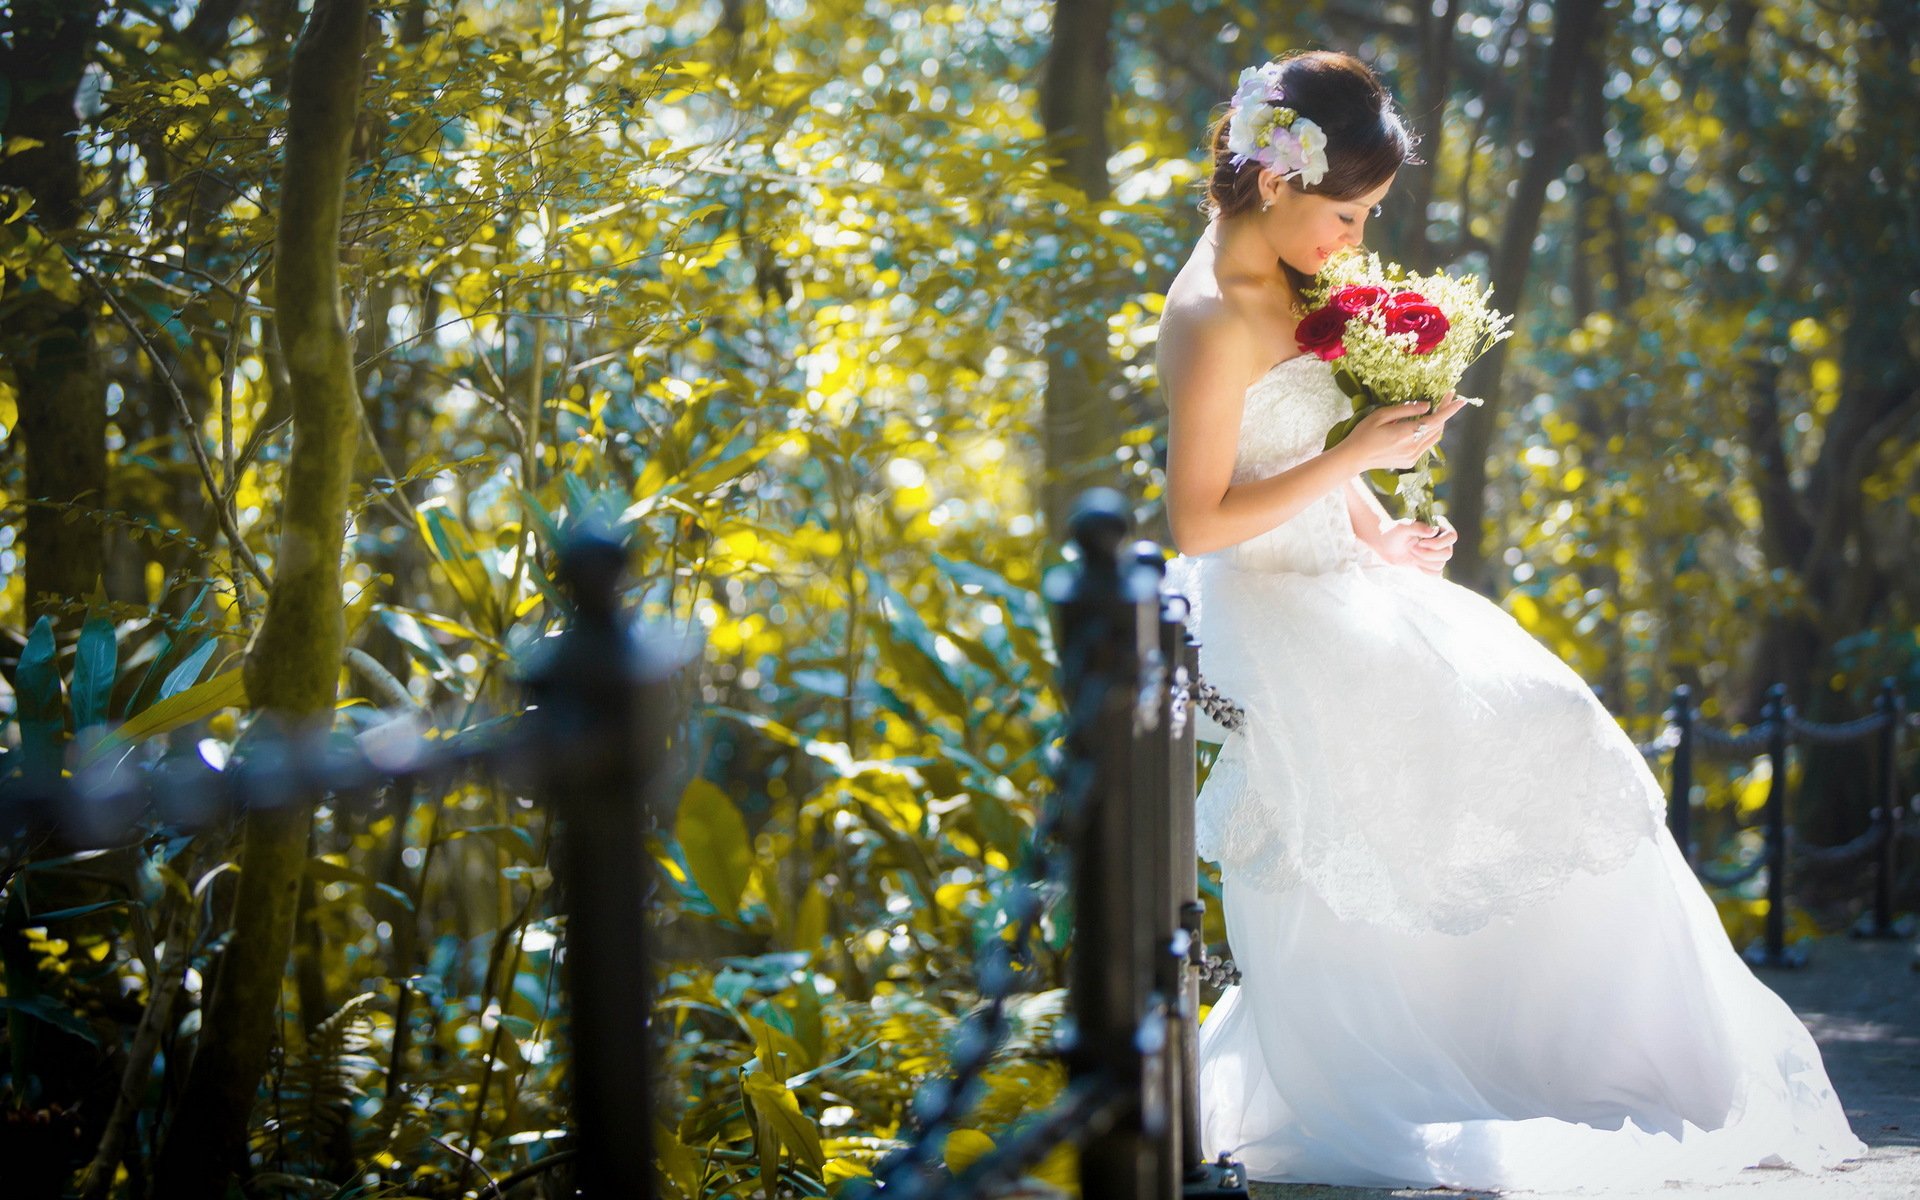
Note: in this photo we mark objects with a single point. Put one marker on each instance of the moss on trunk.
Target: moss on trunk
(293, 666)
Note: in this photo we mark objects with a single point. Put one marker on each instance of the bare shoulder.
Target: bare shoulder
(1205, 348)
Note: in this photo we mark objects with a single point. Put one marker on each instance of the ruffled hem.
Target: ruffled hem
(1608, 1039)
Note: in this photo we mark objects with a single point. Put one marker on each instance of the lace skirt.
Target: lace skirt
(1409, 751)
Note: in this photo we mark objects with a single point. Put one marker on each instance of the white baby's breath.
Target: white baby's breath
(1386, 368)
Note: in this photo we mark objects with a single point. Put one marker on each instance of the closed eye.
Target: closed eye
(1372, 212)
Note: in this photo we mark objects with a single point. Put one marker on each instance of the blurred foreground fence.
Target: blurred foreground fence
(1117, 829)
(592, 745)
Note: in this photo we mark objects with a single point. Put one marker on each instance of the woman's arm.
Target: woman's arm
(1203, 374)
(1368, 515)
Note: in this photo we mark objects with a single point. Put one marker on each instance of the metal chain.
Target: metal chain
(903, 1172)
(1754, 740)
(271, 770)
(1219, 970)
(1735, 877)
(1088, 1107)
(1840, 731)
(1214, 703)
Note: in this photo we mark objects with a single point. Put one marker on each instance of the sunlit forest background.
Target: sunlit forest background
(828, 309)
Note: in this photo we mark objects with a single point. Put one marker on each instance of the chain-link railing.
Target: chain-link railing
(1778, 729)
(591, 743)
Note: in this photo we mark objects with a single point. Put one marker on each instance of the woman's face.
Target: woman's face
(1306, 230)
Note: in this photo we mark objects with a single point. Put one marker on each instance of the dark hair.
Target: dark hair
(1366, 139)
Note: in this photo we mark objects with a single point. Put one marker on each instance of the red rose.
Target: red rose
(1358, 298)
(1409, 312)
(1321, 331)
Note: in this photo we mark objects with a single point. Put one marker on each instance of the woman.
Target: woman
(1471, 954)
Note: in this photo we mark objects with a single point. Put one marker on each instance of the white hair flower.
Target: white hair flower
(1276, 136)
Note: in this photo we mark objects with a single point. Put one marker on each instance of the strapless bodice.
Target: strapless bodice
(1284, 421)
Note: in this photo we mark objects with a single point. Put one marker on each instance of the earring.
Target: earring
(1264, 207)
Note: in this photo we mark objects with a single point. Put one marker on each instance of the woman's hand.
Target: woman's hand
(1418, 544)
(1396, 435)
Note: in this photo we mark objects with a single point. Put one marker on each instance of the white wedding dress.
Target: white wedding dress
(1471, 954)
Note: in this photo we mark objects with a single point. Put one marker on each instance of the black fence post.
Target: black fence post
(1887, 813)
(1102, 604)
(599, 720)
(1156, 743)
(1775, 953)
(1190, 941)
(1680, 804)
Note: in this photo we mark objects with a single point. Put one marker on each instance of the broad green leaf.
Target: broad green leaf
(781, 1054)
(166, 645)
(407, 628)
(676, 1160)
(1024, 603)
(225, 690)
(779, 1110)
(909, 648)
(518, 843)
(95, 658)
(810, 921)
(46, 1008)
(713, 838)
(37, 694)
(454, 549)
(187, 673)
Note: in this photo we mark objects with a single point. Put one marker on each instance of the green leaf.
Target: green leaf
(1339, 432)
(910, 650)
(407, 628)
(225, 690)
(166, 645)
(47, 1009)
(322, 871)
(1023, 603)
(37, 696)
(779, 1051)
(187, 673)
(713, 837)
(518, 843)
(676, 1160)
(94, 661)
(454, 548)
(777, 1109)
(62, 914)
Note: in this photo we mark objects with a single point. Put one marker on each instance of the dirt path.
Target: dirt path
(1861, 999)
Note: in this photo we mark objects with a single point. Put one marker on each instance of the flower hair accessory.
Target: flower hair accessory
(1263, 129)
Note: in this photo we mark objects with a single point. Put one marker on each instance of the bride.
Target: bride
(1471, 954)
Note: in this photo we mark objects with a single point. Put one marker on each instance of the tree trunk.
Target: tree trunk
(1820, 534)
(62, 422)
(1435, 79)
(293, 666)
(1079, 422)
(1575, 28)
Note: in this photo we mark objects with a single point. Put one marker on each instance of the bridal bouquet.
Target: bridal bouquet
(1394, 336)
